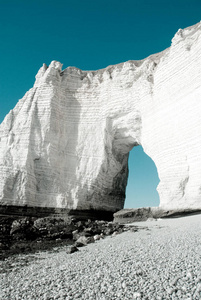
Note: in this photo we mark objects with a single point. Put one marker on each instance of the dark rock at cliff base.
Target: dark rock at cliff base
(30, 234)
(133, 215)
(142, 214)
(23, 228)
(54, 228)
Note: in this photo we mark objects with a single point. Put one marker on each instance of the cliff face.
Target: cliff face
(66, 143)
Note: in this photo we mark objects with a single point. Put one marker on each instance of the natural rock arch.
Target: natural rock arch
(66, 143)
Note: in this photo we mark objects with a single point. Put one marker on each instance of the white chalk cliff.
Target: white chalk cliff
(67, 141)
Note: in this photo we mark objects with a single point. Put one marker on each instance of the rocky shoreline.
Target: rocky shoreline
(130, 215)
(31, 234)
(160, 260)
(28, 234)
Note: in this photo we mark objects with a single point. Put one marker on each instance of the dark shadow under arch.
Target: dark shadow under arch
(142, 180)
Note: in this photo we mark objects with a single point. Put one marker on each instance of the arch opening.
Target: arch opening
(142, 180)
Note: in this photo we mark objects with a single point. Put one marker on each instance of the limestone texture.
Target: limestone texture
(66, 142)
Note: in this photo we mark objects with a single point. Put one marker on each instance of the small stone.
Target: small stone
(97, 237)
(83, 241)
(114, 233)
(189, 275)
(71, 249)
(58, 240)
(170, 290)
(136, 295)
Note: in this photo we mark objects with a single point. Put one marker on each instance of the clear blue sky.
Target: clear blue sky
(88, 34)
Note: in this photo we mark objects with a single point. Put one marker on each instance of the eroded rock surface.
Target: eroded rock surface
(66, 143)
(29, 234)
(131, 215)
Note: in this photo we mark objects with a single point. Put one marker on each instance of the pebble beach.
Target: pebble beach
(161, 260)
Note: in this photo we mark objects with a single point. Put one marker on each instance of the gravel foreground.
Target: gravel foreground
(160, 261)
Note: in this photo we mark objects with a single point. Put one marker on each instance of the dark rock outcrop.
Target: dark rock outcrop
(142, 214)
(27, 234)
